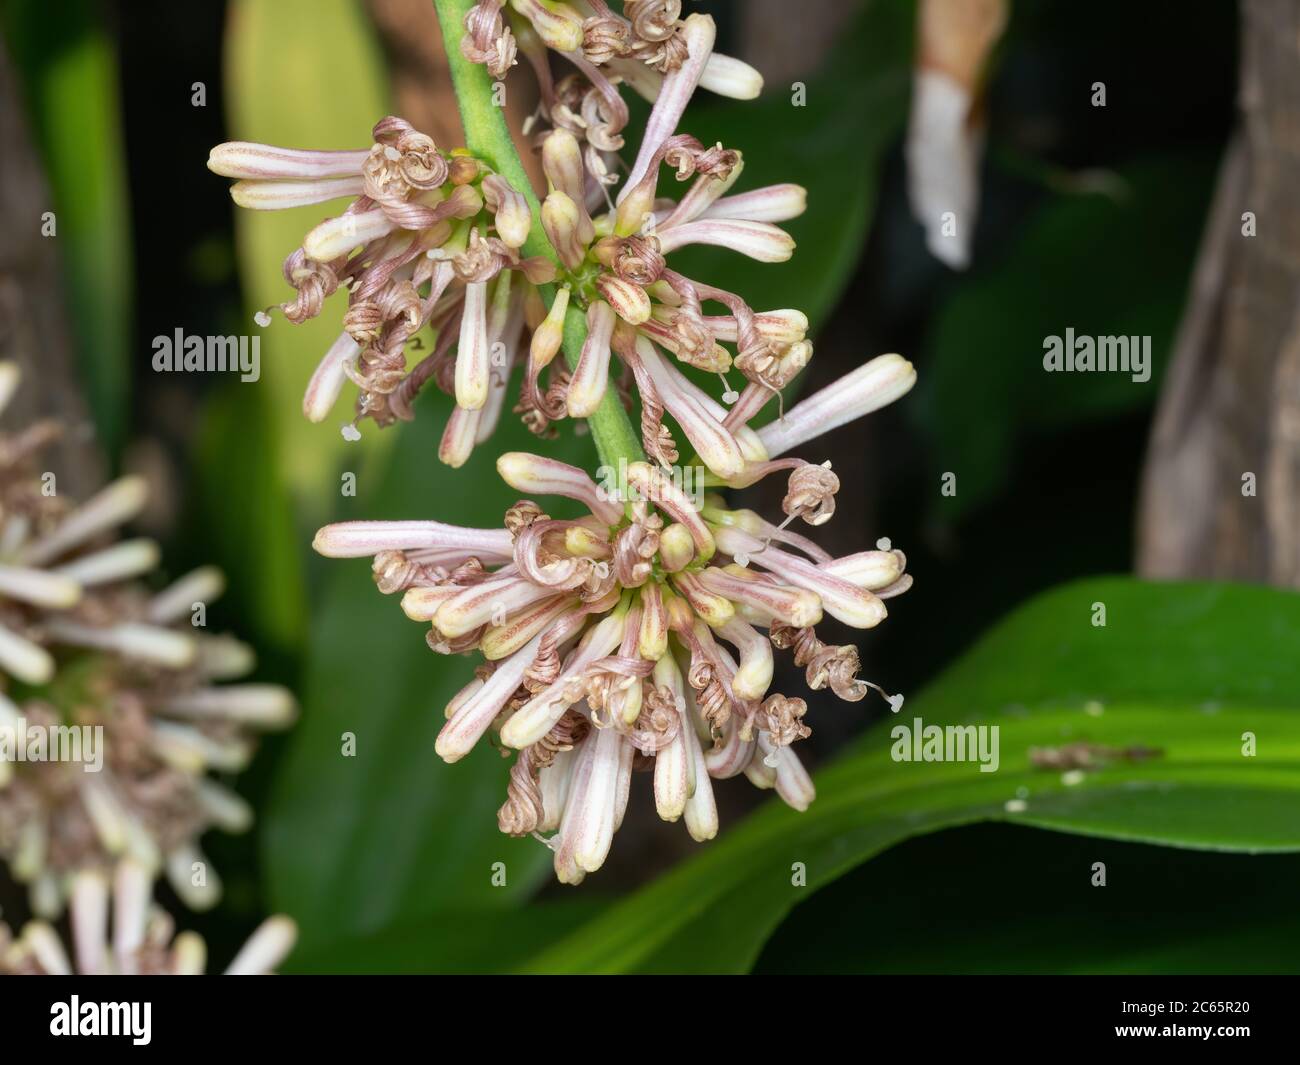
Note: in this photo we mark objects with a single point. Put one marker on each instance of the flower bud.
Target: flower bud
(338, 236)
(629, 300)
(472, 355)
(774, 203)
(731, 77)
(758, 240)
(548, 337)
(510, 210)
(869, 387)
(591, 375)
(676, 548)
(561, 219)
(557, 24)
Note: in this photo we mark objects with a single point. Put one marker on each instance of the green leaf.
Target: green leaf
(248, 518)
(70, 75)
(457, 941)
(354, 844)
(1183, 668)
(304, 75)
(832, 143)
(1024, 901)
(1098, 263)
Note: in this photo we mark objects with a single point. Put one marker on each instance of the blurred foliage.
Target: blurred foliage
(474, 940)
(69, 70)
(1184, 669)
(303, 75)
(1113, 261)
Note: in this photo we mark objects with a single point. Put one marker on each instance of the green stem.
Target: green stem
(488, 137)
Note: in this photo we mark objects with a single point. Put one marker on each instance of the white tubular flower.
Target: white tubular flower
(472, 351)
(698, 34)
(142, 941)
(731, 77)
(603, 643)
(123, 684)
(280, 195)
(757, 240)
(870, 387)
(263, 162)
(774, 203)
(591, 375)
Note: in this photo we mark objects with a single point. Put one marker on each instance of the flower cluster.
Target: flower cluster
(88, 650)
(648, 41)
(142, 942)
(641, 634)
(433, 239)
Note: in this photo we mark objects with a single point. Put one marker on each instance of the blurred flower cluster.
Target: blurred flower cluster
(141, 943)
(113, 715)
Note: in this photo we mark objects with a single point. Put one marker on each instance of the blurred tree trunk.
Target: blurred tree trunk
(33, 319)
(786, 47)
(1221, 487)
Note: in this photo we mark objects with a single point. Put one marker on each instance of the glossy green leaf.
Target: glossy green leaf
(1185, 669)
(1008, 899)
(456, 941)
(69, 70)
(353, 844)
(1103, 264)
